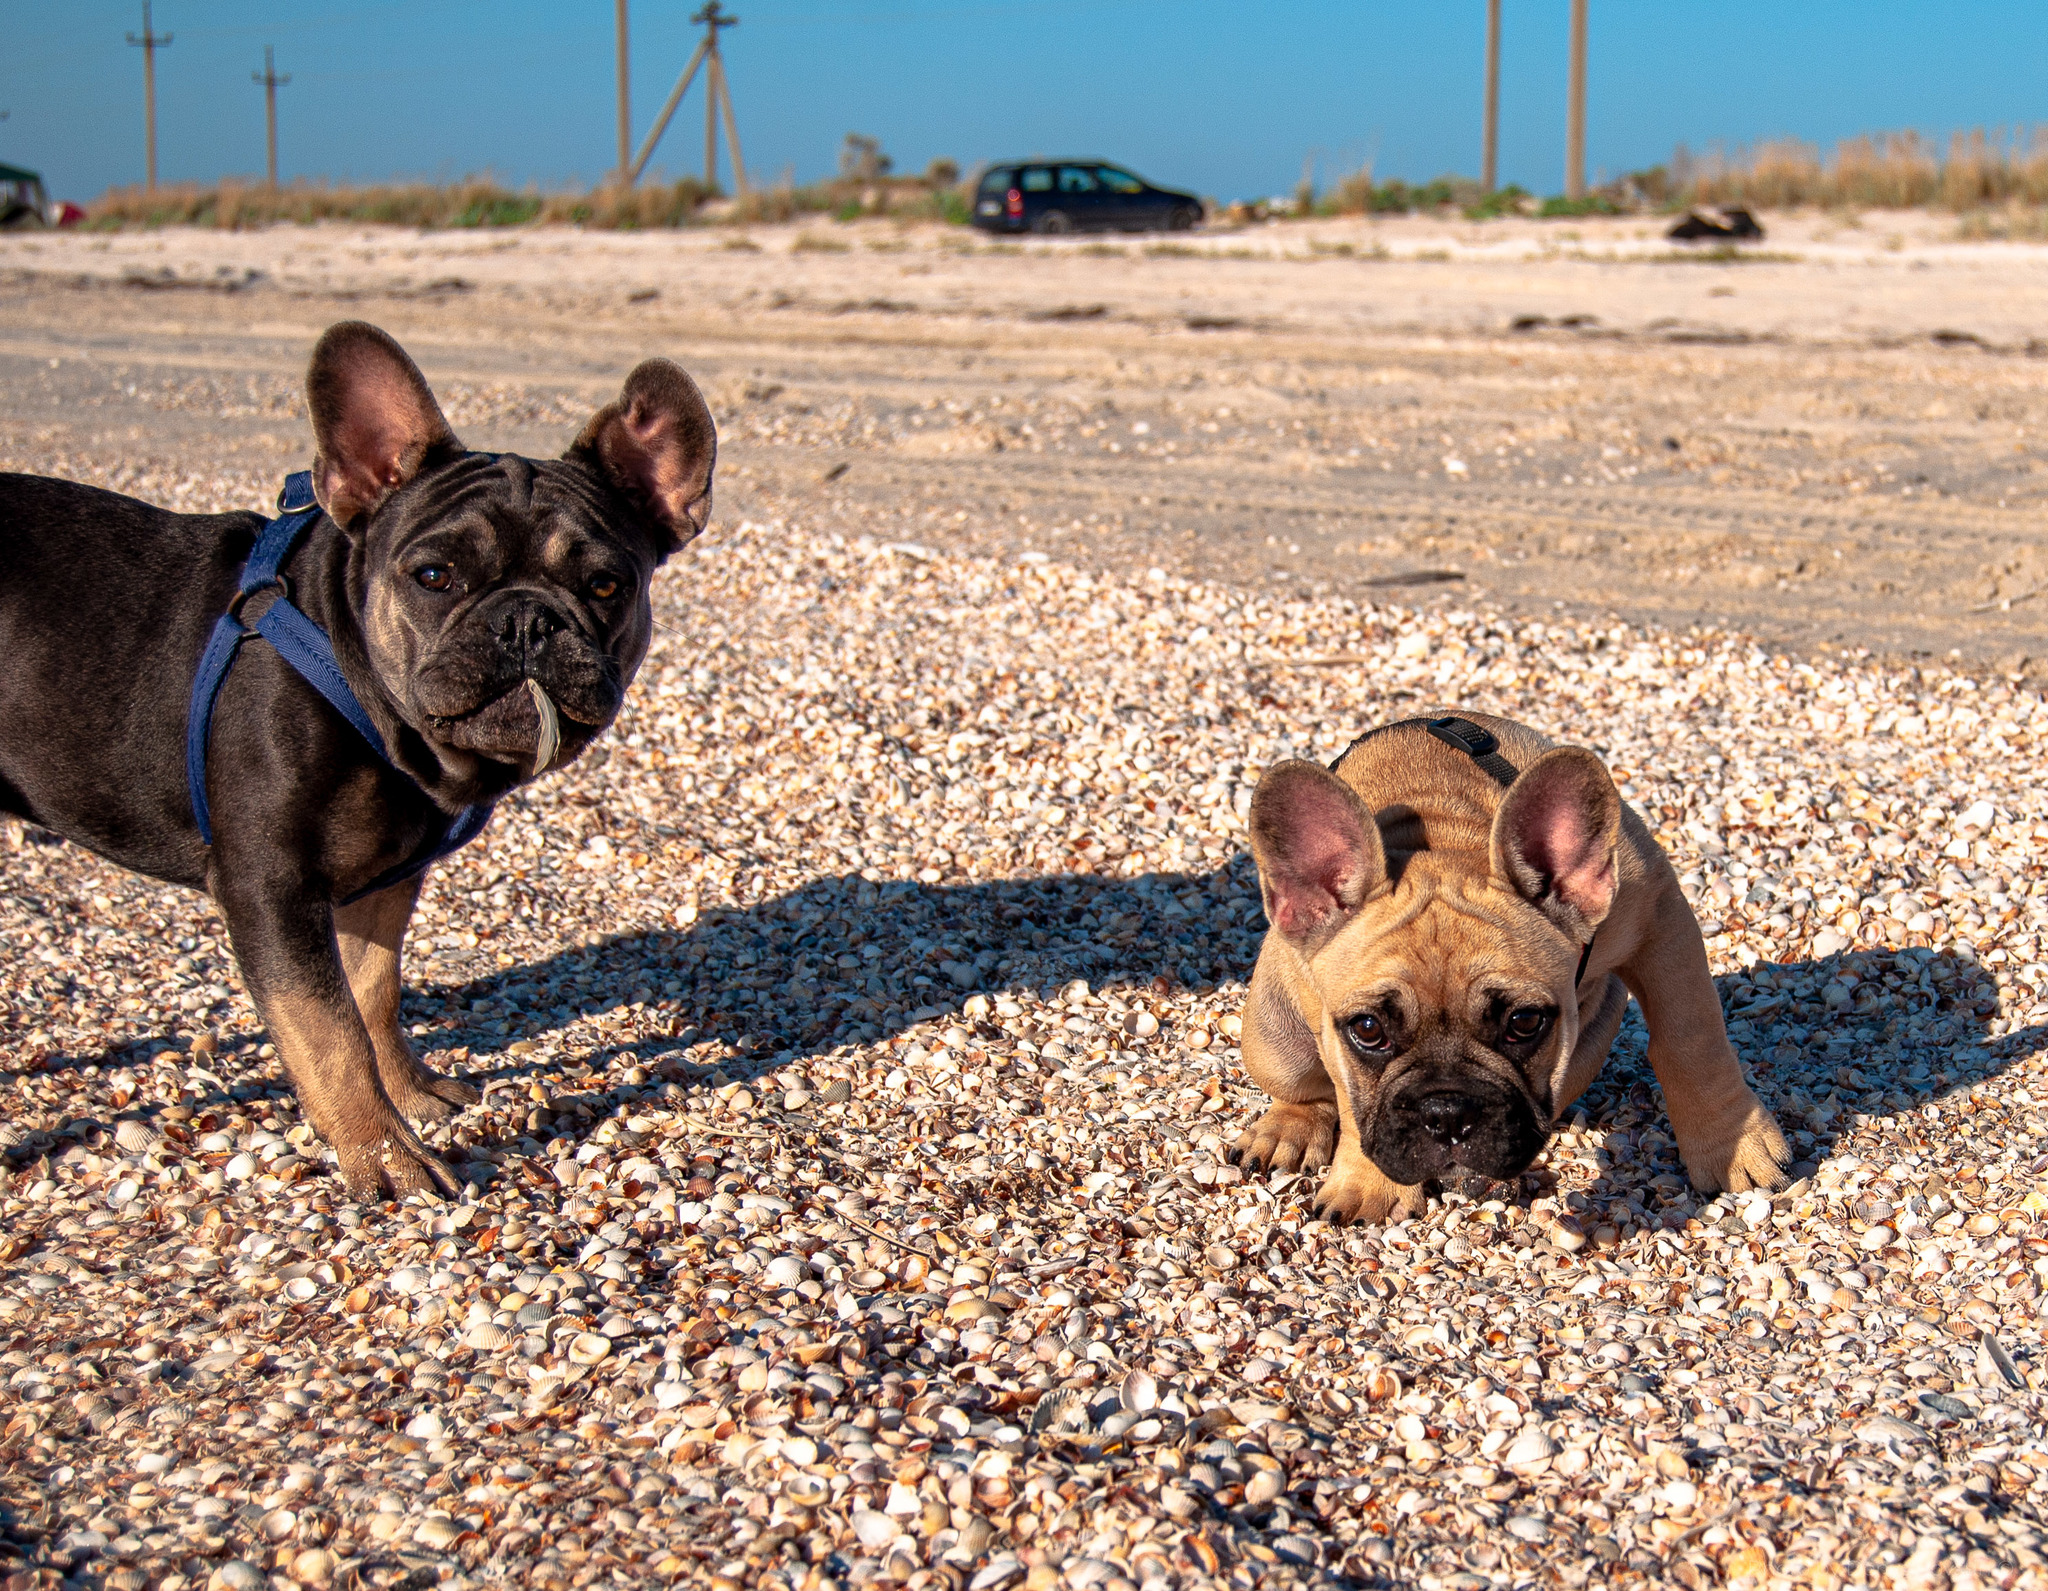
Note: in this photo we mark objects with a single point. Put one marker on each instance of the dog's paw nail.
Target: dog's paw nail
(1234, 1156)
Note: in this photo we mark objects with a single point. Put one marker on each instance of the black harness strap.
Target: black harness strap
(1481, 746)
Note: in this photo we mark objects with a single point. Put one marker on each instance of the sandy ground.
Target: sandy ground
(1830, 442)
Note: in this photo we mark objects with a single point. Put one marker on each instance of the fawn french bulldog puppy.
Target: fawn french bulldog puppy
(299, 716)
(1460, 910)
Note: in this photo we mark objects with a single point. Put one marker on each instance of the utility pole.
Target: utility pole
(149, 44)
(1575, 109)
(271, 84)
(625, 101)
(1489, 138)
(717, 98)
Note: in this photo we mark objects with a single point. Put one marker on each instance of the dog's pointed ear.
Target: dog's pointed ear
(657, 444)
(1317, 847)
(1556, 838)
(375, 422)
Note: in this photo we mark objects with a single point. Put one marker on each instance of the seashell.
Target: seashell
(1262, 1486)
(587, 1347)
(722, 1204)
(1382, 1384)
(785, 1270)
(799, 1450)
(314, 1566)
(301, 1288)
(1530, 1452)
(241, 1168)
(278, 1524)
(806, 1491)
(1221, 1256)
(357, 1302)
(137, 1137)
(484, 1336)
(217, 1143)
(873, 1530)
(1059, 1410)
(438, 1531)
(427, 1427)
(1885, 1430)
(406, 1280)
(1139, 1392)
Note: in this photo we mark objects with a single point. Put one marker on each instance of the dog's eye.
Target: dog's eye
(1367, 1031)
(436, 577)
(604, 586)
(1526, 1024)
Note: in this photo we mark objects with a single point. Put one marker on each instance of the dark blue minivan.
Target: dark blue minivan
(1053, 196)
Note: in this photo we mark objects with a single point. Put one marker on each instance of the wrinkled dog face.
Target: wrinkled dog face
(495, 572)
(1447, 983)
(506, 600)
(1449, 1010)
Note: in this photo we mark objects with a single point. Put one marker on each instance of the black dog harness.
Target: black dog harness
(1481, 746)
(304, 645)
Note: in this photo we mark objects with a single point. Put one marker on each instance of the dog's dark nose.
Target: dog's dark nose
(1449, 1118)
(523, 627)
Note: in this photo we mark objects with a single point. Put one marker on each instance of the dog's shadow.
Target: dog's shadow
(1876, 1032)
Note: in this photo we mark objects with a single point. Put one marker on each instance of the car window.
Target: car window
(998, 180)
(1076, 179)
(1038, 180)
(1118, 181)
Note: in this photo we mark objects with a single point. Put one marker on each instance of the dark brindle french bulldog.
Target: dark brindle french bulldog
(487, 612)
(1426, 1002)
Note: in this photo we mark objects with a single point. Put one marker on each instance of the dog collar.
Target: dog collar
(305, 646)
(1482, 746)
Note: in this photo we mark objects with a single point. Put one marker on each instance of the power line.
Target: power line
(149, 44)
(271, 84)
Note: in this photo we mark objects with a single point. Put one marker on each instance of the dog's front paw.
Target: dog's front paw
(394, 1165)
(1356, 1190)
(1752, 1154)
(1288, 1138)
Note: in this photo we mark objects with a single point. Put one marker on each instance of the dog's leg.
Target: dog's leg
(1596, 1038)
(285, 944)
(1299, 1132)
(1356, 1190)
(371, 934)
(1725, 1136)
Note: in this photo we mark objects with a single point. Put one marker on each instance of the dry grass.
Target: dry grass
(1880, 171)
(482, 202)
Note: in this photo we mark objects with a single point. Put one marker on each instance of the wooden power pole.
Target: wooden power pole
(149, 44)
(1489, 138)
(1575, 109)
(717, 99)
(625, 101)
(271, 84)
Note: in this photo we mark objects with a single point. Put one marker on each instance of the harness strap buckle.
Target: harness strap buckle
(279, 583)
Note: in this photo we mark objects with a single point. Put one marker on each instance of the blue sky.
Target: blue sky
(1227, 99)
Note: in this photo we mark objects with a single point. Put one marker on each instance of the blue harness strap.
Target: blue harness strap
(304, 645)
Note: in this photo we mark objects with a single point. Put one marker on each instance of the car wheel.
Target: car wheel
(1053, 222)
(1181, 218)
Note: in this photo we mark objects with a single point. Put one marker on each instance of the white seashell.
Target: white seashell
(1139, 1393)
(406, 1280)
(874, 1530)
(587, 1347)
(1532, 1448)
(426, 1426)
(278, 1524)
(723, 1204)
(137, 1137)
(301, 1288)
(1220, 1256)
(124, 1191)
(216, 1143)
(785, 1270)
(1261, 1487)
(484, 1336)
(437, 1531)
(241, 1168)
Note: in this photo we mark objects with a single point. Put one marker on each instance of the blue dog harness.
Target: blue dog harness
(304, 645)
